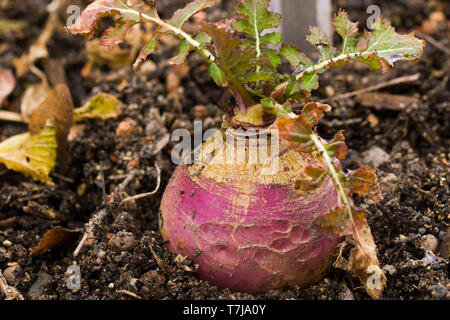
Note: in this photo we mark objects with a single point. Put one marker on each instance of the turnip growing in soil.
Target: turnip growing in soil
(249, 228)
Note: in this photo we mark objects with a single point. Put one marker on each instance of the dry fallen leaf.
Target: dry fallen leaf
(364, 262)
(32, 98)
(38, 50)
(102, 106)
(56, 237)
(7, 84)
(58, 109)
(34, 153)
(33, 156)
(387, 101)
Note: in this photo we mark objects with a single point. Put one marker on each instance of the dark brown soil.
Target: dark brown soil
(414, 178)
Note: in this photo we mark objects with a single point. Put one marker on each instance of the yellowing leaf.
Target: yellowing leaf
(102, 106)
(34, 153)
(34, 156)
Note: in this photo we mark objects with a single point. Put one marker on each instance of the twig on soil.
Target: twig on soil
(8, 221)
(129, 293)
(10, 293)
(143, 195)
(98, 217)
(33, 197)
(63, 178)
(157, 258)
(435, 43)
(96, 220)
(11, 116)
(341, 123)
(392, 82)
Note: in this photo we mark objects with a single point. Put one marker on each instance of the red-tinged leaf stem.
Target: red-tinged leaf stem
(336, 181)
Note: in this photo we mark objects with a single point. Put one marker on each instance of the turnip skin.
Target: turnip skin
(245, 235)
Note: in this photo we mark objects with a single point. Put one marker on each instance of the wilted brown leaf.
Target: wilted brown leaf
(364, 262)
(387, 101)
(58, 109)
(56, 237)
(34, 153)
(7, 84)
(115, 57)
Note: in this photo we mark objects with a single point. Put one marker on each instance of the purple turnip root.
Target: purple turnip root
(249, 231)
(246, 229)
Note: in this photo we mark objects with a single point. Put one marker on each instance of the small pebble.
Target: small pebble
(11, 274)
(346, 294)
(122, 241)
(7, 243)
(422, 230)
(439, 291)
(111, 285)
(329, 91)
(430, 243)
(390, 269)
(374, 156)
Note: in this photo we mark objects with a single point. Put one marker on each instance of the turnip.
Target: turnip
(248, 227)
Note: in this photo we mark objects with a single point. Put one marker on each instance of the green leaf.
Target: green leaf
(391, 46)
(255, 77)
(310, 81)
(182, 15)
(184, 48)
(254, 17)
(272, 38)
(217, 74)
(149, 48)
(294, 56)
(320, 40)
(347, 30)
(144, 11)
(379, 49)
(273, 56)
(203, 39)
(231, 58)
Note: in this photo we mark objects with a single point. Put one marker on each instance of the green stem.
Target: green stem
(324, 63)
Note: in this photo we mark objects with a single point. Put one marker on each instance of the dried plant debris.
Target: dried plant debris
(101, 106)
(34, 153)
(38, 49)
(7, 84)
(53, 238)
